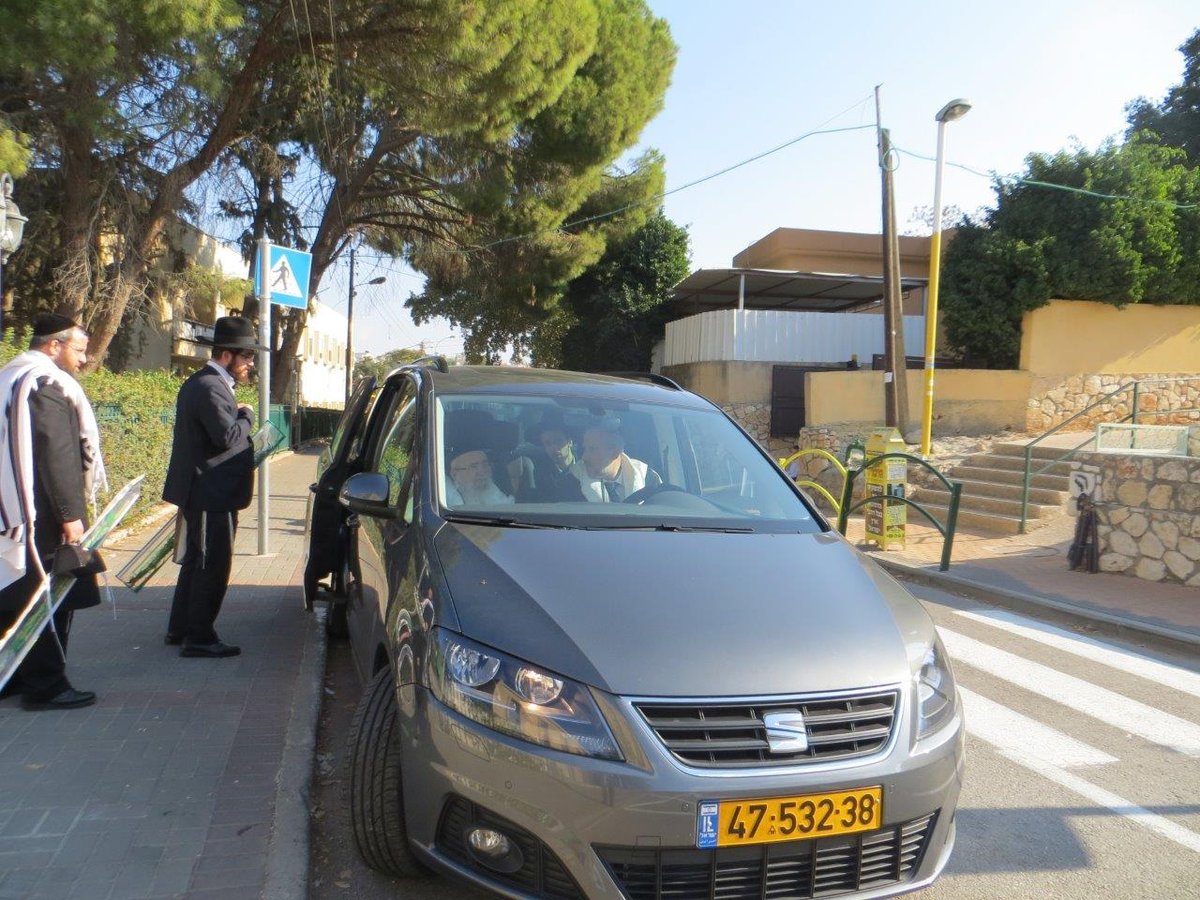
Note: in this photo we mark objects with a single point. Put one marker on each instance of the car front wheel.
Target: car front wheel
(376, 802)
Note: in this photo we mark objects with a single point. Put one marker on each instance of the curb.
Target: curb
(288, 850)
(1117, 624)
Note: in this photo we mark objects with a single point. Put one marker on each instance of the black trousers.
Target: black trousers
(42, 674)
(203, 574)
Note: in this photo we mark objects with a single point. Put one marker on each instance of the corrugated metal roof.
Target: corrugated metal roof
(707, 289)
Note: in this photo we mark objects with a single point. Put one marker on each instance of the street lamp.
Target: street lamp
(378, 279)
(12, 229)
(955, 109)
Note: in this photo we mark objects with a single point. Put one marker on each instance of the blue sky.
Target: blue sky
(754, 74)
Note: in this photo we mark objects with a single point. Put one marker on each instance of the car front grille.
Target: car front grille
(542, 874)
(826, 867)
(732, 735)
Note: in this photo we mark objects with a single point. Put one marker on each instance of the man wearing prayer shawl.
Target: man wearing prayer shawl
(49, 474)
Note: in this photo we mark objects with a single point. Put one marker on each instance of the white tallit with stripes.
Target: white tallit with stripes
(17, 380)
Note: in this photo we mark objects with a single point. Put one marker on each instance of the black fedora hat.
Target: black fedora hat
(233, 333)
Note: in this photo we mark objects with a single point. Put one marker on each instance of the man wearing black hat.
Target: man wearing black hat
(50, 470)
(210, 477)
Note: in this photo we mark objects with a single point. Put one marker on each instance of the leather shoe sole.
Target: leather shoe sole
(212, 651)
(68, 699)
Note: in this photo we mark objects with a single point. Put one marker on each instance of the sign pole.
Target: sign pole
(264, 386)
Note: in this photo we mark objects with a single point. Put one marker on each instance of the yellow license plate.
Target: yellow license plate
(734, 823)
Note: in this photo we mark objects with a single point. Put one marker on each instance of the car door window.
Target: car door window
(394, 458)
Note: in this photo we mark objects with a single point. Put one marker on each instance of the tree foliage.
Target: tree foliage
(616, 311)
(379, 366)
(422, 126)
(1040, 242)
(1176, 119)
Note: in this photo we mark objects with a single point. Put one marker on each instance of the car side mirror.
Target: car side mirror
(367, 493)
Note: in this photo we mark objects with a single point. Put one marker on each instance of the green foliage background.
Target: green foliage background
(135, 411)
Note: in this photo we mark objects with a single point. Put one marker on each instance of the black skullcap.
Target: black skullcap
(47, 324)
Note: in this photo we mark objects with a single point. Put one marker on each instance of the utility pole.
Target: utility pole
(895, 382)
(379, 279)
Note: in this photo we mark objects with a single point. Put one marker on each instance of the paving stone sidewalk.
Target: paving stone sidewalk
(1032, 569)
(188, 777)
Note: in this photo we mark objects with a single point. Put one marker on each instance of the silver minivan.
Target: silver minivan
(611, 651)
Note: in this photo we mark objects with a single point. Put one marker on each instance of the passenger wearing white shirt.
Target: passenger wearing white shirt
(606, 474)
(471, 481)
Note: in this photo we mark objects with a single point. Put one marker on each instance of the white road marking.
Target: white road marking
(1122, 807)
(1013, 733)
(1107, 706)
(1089, 648)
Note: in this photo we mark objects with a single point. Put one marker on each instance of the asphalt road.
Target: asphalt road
(1083, 768)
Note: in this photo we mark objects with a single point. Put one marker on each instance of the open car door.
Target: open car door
(327, 533)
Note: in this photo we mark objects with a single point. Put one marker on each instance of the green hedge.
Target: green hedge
(135, 411)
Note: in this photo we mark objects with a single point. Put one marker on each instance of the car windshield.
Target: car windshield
(570, 463)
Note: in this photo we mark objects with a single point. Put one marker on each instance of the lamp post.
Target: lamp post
(379, 279)
(12, 229)
(955, 109)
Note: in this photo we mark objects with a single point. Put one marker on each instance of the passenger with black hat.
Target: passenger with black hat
(50, 473)
(210, 477)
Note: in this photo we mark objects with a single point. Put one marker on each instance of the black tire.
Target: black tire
(376, 801)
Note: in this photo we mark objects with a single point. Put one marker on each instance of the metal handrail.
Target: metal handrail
(954, 487)
(1136, 384)
(817, 451)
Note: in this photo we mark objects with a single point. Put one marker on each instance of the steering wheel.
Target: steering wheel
(643, 494)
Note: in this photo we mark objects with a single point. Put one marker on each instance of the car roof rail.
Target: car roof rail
(653, 377)
(437, 361)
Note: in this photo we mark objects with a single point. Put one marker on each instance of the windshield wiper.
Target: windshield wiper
(668, 526)
(498, 521)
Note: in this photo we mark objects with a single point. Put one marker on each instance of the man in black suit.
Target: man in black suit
(210, 477)
(61, 456)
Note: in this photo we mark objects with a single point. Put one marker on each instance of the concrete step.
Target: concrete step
(1012, 491)
(1057, 445)
(1015, 463)
(1009, 476)
(975, 520)
(995, 505)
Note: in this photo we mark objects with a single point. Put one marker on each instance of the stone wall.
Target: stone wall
(1148, 515)
(1055, 398)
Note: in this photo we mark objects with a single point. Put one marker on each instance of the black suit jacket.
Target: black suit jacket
(209, 427)
(58, 492)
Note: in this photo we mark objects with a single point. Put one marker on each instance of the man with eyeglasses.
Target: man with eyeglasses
(210, 478)
(50, 473)
(471, 481)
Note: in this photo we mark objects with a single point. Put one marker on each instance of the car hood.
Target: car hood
(684, 614)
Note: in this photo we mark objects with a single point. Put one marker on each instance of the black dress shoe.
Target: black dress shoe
(217, 649)
(68, 699)
(173, 640)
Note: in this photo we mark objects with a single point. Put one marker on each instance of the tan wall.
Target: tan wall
(726, 383)
(1077, 336)
(966, 401)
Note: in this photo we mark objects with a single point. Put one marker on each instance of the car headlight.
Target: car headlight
(936, 694)
(514, 697)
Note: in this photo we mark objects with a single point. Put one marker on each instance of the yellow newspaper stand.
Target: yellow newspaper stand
(885, 521)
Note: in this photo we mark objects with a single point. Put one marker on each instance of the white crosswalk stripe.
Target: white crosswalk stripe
(1107, 706)
(1089, 648)
(1014, 733)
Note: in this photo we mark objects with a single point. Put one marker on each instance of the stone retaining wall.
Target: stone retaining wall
(1148, 515)
(1054, 399)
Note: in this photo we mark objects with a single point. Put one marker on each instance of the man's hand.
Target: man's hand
(73, 531)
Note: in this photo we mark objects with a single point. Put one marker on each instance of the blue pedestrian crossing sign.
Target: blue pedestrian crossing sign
(287, 277)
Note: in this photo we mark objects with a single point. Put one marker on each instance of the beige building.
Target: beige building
(180, 314)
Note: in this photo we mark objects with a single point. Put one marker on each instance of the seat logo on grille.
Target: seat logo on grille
(786, 731)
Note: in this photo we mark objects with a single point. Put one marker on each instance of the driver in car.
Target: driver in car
(471, 481)
(606, 473)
